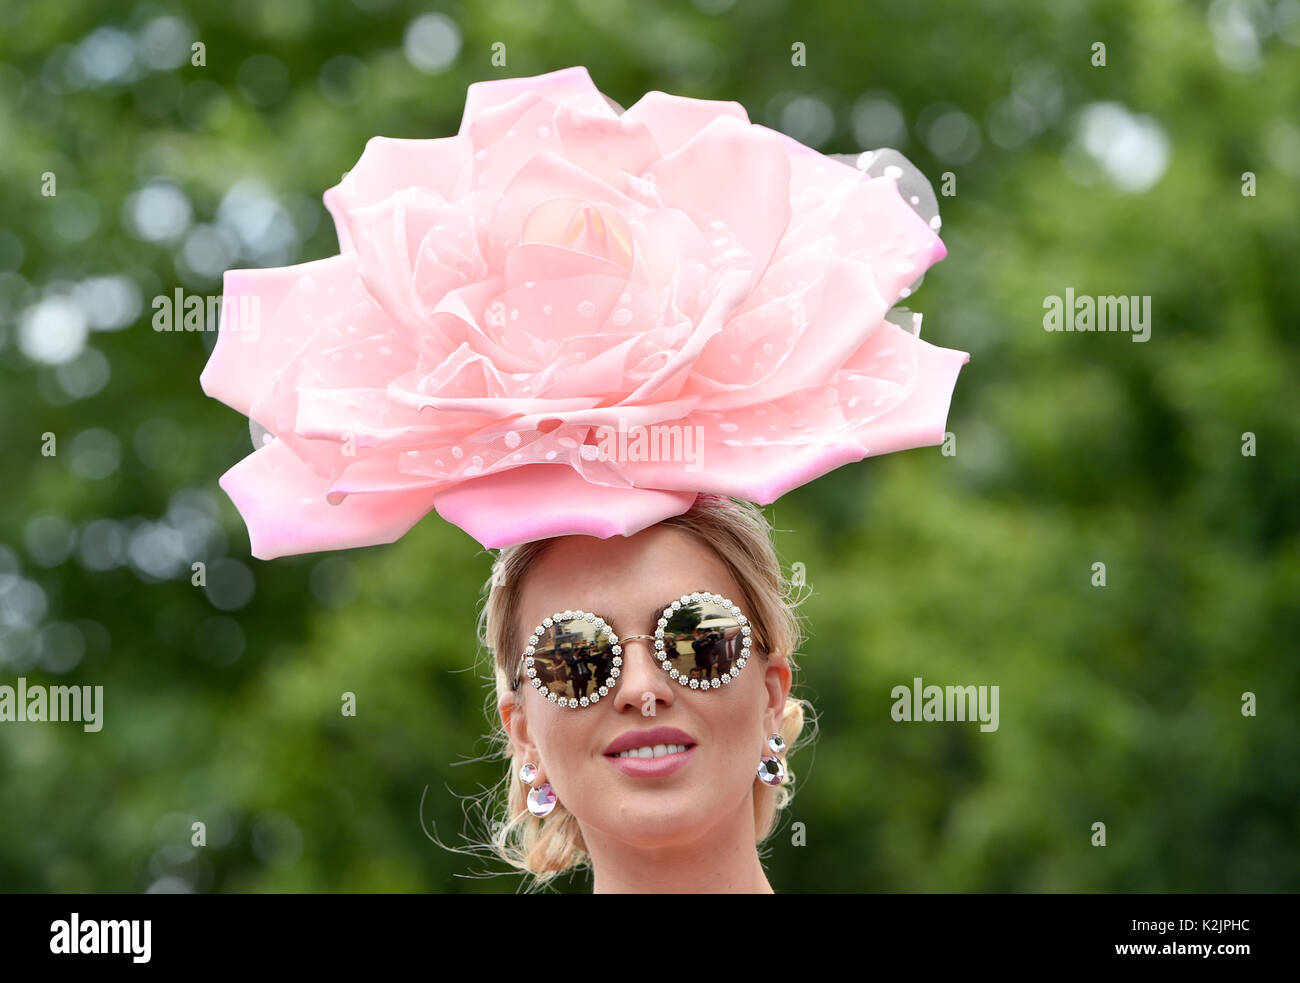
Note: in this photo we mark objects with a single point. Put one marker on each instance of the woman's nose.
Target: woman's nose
(642, 681)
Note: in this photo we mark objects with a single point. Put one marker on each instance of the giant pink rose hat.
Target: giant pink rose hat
(508, 299)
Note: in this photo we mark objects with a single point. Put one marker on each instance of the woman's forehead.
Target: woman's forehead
(622, 579)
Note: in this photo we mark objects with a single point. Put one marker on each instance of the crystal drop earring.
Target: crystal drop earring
(542, 799)
(770, 769)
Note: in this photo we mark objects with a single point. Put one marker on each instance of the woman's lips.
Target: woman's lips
(652, 767)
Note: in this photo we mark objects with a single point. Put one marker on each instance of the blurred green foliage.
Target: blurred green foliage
(1119, 704)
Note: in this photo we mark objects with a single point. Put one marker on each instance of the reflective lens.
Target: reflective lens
(702, 641)
(573, 658)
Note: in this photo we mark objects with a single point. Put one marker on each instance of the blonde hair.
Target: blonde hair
(741, 537)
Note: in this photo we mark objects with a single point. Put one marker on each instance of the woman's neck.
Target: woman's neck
(722, 861)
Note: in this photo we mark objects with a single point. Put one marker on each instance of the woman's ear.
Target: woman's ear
(777, 677)
(515, 723)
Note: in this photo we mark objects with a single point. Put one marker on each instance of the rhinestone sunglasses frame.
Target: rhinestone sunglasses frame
(526, 662)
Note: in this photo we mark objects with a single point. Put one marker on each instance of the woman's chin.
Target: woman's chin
(662, 818)
(657, 832)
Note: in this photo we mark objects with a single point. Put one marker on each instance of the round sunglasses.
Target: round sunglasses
(574, 657)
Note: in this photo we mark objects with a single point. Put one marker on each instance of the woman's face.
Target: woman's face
(629, 581)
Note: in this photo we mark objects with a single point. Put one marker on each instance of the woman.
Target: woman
(578, 333)
(693, 820)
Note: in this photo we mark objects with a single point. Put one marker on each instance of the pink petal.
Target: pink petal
(667, 243)
(283, 502)
(800, 151)
(567, 309)
(539, 501)
(764, 473)
(289, 302)
(573, 85)
(380, 472)
(508, 136)
(603, 373)
(673, 120)
(364, 414)
(838, 211)
(444, 165)
(491, 407)
(843, 308)
(668, 381)
(620, 417)
(878, 227)
(457, 323)
(393, 236)
(921, 419)
(548, 175)
(735, 174)
(605, 147)
(539, 262)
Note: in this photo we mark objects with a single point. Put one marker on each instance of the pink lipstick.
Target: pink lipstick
(652, 753)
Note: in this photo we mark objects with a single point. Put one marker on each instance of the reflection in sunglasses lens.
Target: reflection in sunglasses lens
(574, 661)
(705, 643)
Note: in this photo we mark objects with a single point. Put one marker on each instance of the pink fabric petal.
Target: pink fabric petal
(464, 318)
(619, 416)
(549, 174)
(671, 368)
(762, 473)
(571, 85)
(444, 166)
(267, 318)
(718, 176)
(508, 136)
(674, 120)
(364, 414)
(798, 151)
(409, 232)
(379, 473)
(667, 241)
(540, 501)
(285, 508)
(605, 147)
(570, 277)
(834, 318)
(921, 419)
